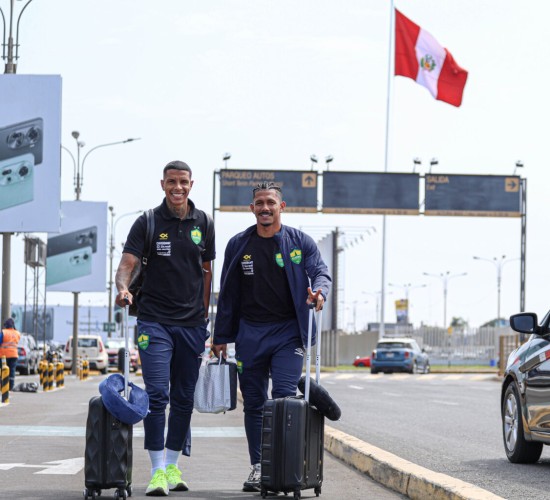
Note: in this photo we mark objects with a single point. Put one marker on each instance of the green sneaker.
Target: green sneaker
(158, 487)
(173, 476)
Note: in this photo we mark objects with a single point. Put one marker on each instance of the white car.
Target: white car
(90, 347)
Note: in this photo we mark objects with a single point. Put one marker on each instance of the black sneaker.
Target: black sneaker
(253, 482)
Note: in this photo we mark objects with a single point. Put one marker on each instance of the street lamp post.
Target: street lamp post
(78, 178)
(499, 263)
(445, 277)
(111, 257)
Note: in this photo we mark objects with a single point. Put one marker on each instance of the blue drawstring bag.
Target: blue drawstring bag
(129, 411)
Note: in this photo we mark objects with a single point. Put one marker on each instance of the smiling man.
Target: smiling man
(172, 318)
(270, 274)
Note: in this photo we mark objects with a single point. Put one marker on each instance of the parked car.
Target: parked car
(89, 347)
(525, 394)
(399, 354)
(114, 345)
(28, 355)
(362, 361)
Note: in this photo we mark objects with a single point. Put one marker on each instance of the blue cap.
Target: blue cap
(129, 411)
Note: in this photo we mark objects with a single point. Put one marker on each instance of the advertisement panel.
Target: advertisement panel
(30, 135)
(76, 257)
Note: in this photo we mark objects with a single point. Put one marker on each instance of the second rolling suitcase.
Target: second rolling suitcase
(108, 452)
(293, 439)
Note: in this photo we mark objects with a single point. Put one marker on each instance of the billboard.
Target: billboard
(299, 188)
(473, 195)
(370, 193)
(30, 135)
(76, 257)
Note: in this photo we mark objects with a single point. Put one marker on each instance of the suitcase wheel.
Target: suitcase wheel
(91, 493)
(317, 491)
(121, 493)
(297, 494)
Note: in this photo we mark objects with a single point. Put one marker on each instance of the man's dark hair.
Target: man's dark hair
(266, 186)
(9, 323)
(177, 165)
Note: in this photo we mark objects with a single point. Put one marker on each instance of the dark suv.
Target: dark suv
(29, 355)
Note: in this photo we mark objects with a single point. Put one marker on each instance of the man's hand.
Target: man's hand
(315, 298)
(124, 298)
(218, 349)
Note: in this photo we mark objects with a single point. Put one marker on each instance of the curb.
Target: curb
(407, 478)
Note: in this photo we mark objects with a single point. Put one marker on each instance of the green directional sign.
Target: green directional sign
(299, 188)
(109, 327)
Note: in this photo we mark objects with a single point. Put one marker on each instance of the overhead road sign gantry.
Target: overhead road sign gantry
(299, 188)
(370, 193)
(473, 195)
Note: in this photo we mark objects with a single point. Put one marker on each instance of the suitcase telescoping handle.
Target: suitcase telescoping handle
(308, 349)
(126, 349)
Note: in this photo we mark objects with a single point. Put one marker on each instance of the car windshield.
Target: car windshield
(114, 344)
(87, 342)
(394, 345)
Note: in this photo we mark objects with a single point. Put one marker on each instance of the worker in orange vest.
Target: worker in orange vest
(8, 347)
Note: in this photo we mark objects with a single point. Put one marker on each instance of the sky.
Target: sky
(275, 82)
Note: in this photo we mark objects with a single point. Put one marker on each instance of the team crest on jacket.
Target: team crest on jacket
(196, 235)
(296, 255)
(279, 259)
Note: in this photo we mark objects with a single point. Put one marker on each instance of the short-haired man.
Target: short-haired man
(270, 274)
(172, 317)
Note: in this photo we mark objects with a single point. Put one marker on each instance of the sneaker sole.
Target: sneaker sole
(158, 492)
(178, 487)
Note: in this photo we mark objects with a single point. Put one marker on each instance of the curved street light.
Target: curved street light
(78, 177)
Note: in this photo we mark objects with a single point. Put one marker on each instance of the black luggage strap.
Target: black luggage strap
(150, 218)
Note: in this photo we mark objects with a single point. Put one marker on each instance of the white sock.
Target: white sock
(171, 457)
(157, 460)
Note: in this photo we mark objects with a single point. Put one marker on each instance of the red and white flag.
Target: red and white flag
(419, 56)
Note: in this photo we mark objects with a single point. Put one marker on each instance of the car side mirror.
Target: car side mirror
(524, 323)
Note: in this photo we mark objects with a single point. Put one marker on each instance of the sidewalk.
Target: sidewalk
(42, 447)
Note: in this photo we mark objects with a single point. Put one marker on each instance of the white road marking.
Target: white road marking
(357, 387)
(69, 466)
(58, 431)
(448, 403)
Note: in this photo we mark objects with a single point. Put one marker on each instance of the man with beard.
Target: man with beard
(271, 273)
(172, 318)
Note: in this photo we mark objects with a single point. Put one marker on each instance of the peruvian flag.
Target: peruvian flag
(419, 56)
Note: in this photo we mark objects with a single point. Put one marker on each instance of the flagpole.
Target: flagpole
(382, 329)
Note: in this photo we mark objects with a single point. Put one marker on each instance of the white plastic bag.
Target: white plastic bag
(213, 389)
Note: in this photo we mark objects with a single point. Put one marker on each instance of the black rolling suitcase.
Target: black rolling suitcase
(293, 438)
(108, 454)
